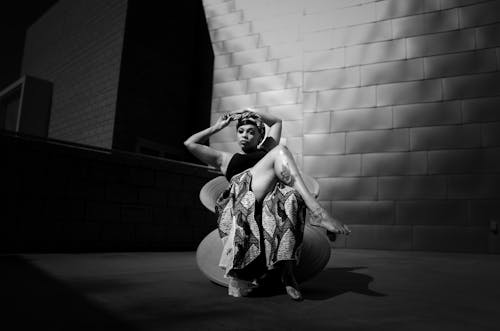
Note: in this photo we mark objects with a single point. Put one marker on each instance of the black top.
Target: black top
(241, 162)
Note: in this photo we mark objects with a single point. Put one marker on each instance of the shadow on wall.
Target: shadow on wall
(437, 157)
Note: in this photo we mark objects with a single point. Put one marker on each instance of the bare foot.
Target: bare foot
(292, 288)
(319, 217)
(288, 279)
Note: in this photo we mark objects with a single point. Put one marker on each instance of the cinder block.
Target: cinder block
(440, 21)
(364, 212)
(354, 14)
(482, 212)
(446, 4)
(309, 101)
(225, 74)
(488, 36)
(318, 40)
(279, 97)
(321, 144)
(294, 144)
(481, 110)
(226, 135)
(363, 188)
(294, 79)
(428, 212)
(361, 119)
(222, 61)
(316, 22)
(490, 134)
(480, 14)
(464, 161)
(409, 92)
(292, 128)
(216, 22)
(237, 102)
(258, 69)
(450, 238)
(412, 187)
(333, 165)
(391, 164)
(383, 51)
(277, 22)
(440, 43)
(266, 83)
(218, 48)
(287, 112)
(390, 72)
(219, 9)
(229, 88)
(241, 44)
(460, 64)
(317, 122)
(361, 34)
(362, 97)
(231, 32)
(290, 64)
(471, 86)
(324, 60)
(443, 137)
(331, 79)
(427, 114)
(480, 186)
(231, 147)
(397, 8)
(250, 56)
(282, 36)
(285, 50)
(377, 141)
(396, 237)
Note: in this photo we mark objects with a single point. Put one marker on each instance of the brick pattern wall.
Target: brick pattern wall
(61, 198)
(77, 45)
(392, 105)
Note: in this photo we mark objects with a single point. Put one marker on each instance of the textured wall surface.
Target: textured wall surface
(392, 105)
(62, 198)
(77, 45)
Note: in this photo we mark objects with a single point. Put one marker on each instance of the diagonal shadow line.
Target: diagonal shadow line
(34, 300)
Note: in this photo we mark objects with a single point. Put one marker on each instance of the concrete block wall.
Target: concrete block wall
(77, 45)
(392, 105)
(63, 198)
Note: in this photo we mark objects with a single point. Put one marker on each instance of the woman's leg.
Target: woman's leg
(279, 164)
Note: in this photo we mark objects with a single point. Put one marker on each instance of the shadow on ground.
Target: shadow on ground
(34, 300)
(332, 282)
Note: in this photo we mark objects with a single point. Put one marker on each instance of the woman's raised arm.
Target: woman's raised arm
(204, 153)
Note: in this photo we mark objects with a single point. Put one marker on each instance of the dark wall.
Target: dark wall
(64, 197)
(166, 76)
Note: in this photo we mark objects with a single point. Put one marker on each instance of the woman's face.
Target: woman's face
(248, 137)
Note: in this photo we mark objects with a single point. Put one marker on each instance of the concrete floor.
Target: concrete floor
(359, 290)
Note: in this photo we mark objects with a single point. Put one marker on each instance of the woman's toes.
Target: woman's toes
(293, 293)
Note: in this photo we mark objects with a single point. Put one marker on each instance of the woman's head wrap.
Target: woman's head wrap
(252, 118)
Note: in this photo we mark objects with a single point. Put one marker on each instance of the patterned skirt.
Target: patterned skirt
(256, 235)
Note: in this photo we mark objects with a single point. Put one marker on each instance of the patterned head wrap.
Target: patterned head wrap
(250, 117)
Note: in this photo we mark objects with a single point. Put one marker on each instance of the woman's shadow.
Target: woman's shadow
(335, 281)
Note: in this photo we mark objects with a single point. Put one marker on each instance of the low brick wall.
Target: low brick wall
(64, 197)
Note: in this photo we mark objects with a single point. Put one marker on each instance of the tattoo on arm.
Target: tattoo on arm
(286, 176)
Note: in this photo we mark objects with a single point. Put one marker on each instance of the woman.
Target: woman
(261, 215)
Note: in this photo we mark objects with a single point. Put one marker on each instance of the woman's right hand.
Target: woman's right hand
(223, 121)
